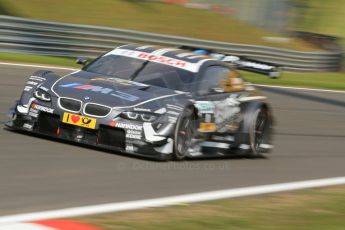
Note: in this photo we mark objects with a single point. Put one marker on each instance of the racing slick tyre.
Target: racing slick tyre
(184, 133)
(259, 132)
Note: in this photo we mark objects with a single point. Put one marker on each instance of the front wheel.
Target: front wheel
(184, 134)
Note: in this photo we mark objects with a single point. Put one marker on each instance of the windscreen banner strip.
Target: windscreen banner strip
(192, 67)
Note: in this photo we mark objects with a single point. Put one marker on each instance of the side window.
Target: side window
(213, 79)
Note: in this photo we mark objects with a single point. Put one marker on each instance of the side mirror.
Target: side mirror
(81, 61)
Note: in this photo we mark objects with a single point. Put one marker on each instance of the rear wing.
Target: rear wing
(240, 62)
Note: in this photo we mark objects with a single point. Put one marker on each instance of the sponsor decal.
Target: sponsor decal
(44, 88)
(77, 120)
(133, 134)
(219, 115)
(32, 83)
(28, 126)
(131, 148)
(118, 81)
(41, 108)
(205, 106)
(36, 78)
(27, 88)
(227, 114)
(162, 59)
(142, 109)
(88, 87)
(33, 112)
(102, 90)
(207, 127)
(126, 126)
(156, 58)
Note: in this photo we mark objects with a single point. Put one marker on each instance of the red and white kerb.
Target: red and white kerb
(49, 225)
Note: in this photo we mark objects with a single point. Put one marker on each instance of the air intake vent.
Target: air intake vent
(112, 137)
(96, 110)
(70, 104)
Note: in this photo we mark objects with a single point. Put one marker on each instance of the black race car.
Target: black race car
(165, 103)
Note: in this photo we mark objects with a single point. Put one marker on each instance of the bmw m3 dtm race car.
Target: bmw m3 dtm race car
(152, 101)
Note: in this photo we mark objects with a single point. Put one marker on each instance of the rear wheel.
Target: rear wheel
(259, 132)
(184, 134)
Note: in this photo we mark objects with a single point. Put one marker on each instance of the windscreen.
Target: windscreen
(147, 72)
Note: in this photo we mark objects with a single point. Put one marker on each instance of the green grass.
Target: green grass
(316, 209)
(35, 59)
(311, 80)
(325, 17)
(146, 16)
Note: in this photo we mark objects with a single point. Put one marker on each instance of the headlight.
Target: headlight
(145, 117)
(42, 95)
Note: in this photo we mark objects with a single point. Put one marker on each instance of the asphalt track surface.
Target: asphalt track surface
(38, 174)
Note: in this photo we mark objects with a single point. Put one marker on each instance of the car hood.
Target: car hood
(105, 90)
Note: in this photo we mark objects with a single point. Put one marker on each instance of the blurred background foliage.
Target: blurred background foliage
(233, 22)
(243, 21)
(320, 16)
(236, 21)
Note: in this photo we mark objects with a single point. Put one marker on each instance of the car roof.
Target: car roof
(172, 56)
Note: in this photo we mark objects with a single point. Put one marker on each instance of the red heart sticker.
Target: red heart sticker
(75, 118)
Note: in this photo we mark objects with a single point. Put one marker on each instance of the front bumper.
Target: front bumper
(105, 137)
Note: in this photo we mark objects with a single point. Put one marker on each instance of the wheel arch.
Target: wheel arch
(248, 109)
(243, 134)
(39, 78)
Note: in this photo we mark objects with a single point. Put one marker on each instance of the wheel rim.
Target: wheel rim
(259, 130)
(185, 134)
